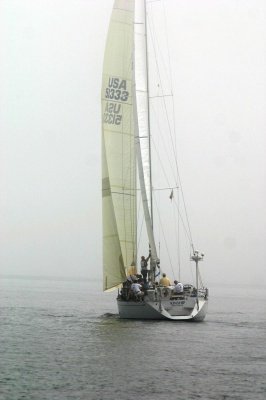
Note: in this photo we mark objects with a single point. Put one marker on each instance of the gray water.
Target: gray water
(63, 340)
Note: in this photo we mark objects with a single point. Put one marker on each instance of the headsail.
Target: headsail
(118, 153)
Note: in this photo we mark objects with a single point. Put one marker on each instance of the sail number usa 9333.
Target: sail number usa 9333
(116, 94)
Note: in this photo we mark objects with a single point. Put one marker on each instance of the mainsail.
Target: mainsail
(118, 152)
(142, 123)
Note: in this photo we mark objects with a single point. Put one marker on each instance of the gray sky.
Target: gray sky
(50, 79)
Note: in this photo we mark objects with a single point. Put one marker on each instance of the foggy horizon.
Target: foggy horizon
(50, 130)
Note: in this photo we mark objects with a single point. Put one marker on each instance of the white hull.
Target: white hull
(169, 309)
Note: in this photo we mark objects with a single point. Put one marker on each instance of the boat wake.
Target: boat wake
(108, 315)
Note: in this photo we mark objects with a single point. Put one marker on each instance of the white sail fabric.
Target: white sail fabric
(118, 152)
(154, 258)
(142, 125)
(141, 78)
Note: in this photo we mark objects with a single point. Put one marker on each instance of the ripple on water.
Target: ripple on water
(63, 350)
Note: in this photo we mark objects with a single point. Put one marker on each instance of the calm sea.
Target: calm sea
(63, 340)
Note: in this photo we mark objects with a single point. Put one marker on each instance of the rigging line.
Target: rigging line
(169, 127)
(170, 71)
(169, 159)
(123, 193)
(159, 226)
(192, 273)
(176, 240)
(162, 165)
(167, 47)
(138, 208)
(174, 119)
(171, 136)
(179, 213)
(166, 188)
(153, 40)
(178, 237)
(184, 226)
(190, 267)
(162, 95)
(138, 190)
(164, 103)
(167, 250)
(178, 210)
(138, 219)
(140, 231)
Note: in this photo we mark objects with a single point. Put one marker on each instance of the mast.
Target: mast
(154, 261)
(147, 216)
(142, 126)
(148, 104)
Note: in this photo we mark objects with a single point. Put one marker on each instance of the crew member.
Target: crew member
(165, 281)
(144, 267)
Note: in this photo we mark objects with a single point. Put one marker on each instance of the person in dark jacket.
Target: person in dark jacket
(144, 267)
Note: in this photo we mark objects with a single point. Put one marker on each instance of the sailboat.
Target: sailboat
(127, 179)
